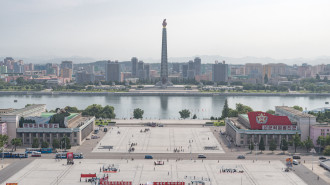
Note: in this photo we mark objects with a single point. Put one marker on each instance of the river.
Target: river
(163, 107)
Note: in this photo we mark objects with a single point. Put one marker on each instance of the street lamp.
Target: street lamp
(256, 144)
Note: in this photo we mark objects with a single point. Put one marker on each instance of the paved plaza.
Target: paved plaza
(159, 140)
(49, 171)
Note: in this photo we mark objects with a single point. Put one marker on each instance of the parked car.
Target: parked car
(241, 157)
(105, 130)
(296, 157)
(148, 157)
(101, 125)
(295, 162)
(322, 158)
(87, 138)
(201, 156)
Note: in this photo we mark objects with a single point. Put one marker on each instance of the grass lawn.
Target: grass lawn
(102, 122)
(219, 123)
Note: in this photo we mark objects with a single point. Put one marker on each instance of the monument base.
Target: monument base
(163, 86)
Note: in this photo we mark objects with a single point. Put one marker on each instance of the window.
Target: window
(242, 142)
(75, 134)
(75, 141)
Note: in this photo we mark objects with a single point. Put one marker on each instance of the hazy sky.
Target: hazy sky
(118, 30)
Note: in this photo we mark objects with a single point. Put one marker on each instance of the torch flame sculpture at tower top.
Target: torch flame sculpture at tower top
(164, 82)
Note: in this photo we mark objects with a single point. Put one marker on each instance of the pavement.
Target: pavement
(50, 171)
(230, 153)
(159, 140)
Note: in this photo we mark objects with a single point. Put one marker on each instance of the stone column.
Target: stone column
(30, 138)
(266, 140)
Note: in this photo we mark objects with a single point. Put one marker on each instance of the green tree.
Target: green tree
(318, 78)
(261, 144)
(71, 109)
(308, 144)
(243, 109)
(251, 146)
(272, 145)
(138, 113)
(265, 79)
(56, 143)
(59, 118)
(20, 80)
(16, 142)
(65, 143)
(296, 141)
(225, 110)
(44, 144)
(108, 112)
(194, 117)
(327, 140)
(285, 146)
(271, 112)
(185, 113)
(298, 108)
(35, 143)
(3, 140)
(93, 110)
(326, 151)
(321, 141)
(232, 113)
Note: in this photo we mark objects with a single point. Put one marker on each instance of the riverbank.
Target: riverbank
(157, 93)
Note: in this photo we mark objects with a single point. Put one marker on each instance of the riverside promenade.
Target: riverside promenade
(158, 93)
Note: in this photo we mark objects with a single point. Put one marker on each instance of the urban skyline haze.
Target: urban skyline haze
(119, 30)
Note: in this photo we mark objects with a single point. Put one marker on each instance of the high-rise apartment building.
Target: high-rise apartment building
(66, 73)
(197, 65)
(134, 61)
(67, 64)
(176, 68)
(220, 72)
(112, 71)
(274, 70)
(185, 70)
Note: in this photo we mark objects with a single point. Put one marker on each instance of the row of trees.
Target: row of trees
(100, 112)
(4, 141)
(284, 145)
(240, 109)
(185, 113)
(324, 143)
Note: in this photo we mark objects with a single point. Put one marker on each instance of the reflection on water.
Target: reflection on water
(163, 102)
(164, 107)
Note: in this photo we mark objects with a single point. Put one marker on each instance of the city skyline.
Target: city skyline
(99, 29)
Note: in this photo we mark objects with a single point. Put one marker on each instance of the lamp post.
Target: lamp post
(256, 144)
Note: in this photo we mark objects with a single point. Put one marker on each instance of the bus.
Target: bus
(63, 155)
(13, 155)
(42, 150)
(36, 154)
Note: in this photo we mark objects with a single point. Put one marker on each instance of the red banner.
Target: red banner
(168, 183)
(88, 175)
(69, 155)
(258, 119)
(116, 183)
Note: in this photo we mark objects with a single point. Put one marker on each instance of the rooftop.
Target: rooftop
(295, 112)
(322, 125)
(28, 108)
